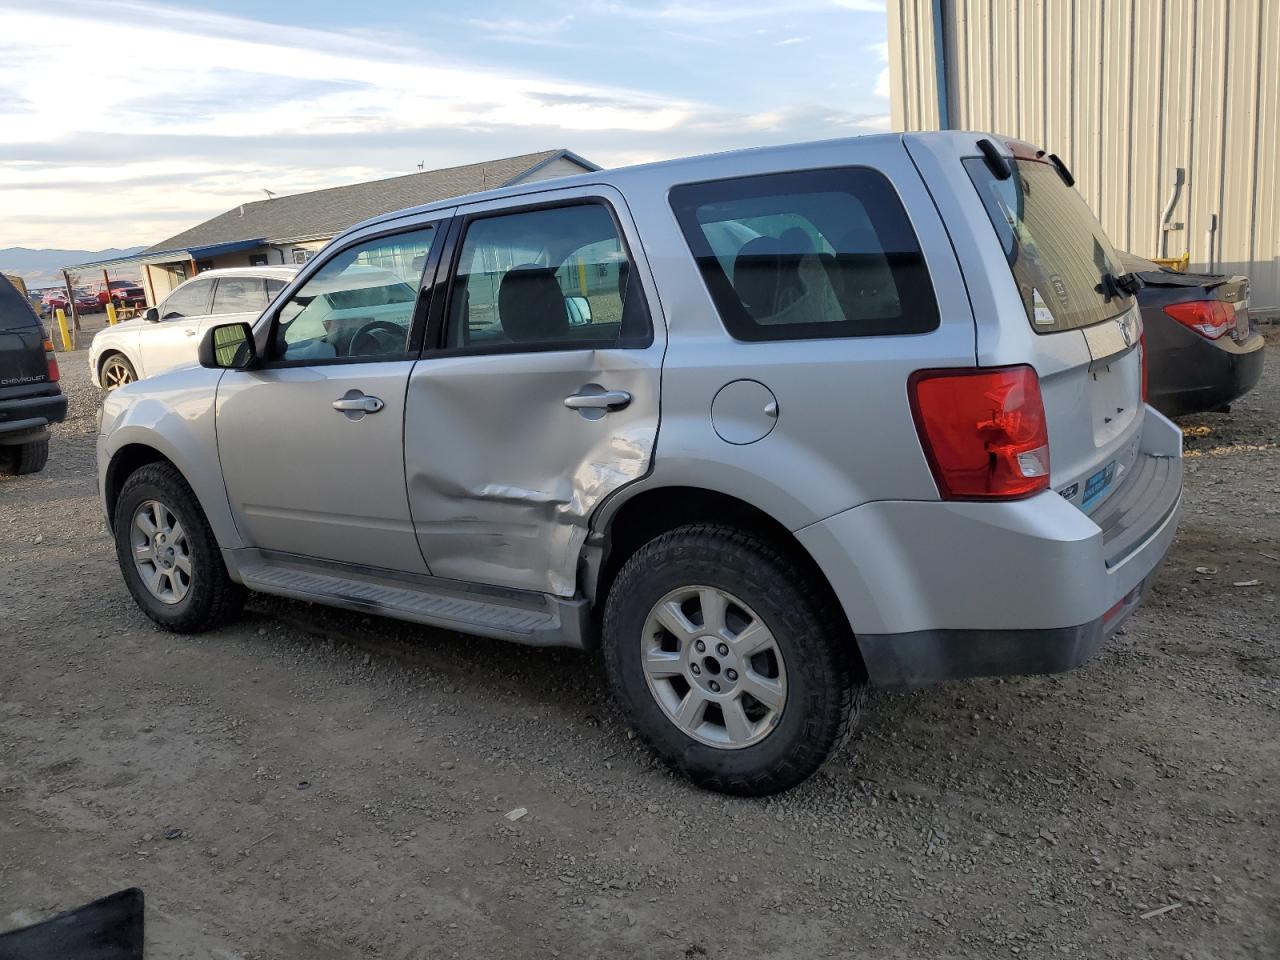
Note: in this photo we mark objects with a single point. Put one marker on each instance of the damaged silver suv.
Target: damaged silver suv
(766, 427)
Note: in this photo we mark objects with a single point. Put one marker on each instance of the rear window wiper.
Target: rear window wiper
(1126, 284)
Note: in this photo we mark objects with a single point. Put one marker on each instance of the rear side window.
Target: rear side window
(556, 278)
(1062, 261)
(813, 254)
(239, 295)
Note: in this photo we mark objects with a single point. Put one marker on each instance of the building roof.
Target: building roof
(321, 214)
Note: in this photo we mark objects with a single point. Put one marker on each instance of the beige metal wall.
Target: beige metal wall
(1125, 91)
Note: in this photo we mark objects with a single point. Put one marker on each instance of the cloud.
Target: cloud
(519, 30)
(106, 151)
(790, 41)
(729, 11)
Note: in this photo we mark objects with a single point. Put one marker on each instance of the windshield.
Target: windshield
(1063, 263)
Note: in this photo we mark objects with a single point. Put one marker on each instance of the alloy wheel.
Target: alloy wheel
(714, 667)
(116, 373)
(161, 551)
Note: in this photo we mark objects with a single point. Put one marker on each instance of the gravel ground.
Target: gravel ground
(309, 783)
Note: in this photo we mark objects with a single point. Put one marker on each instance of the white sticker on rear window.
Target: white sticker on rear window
(1041, 314)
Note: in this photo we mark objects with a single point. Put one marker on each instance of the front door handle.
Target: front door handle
(356, 402)
(607, 400)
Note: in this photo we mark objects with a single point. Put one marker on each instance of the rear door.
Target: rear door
(1046, 293)
(539, 394)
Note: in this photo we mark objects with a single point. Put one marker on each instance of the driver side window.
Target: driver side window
(359, 304)
(190, 300)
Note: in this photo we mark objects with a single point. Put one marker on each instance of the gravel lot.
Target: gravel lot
(314, 784)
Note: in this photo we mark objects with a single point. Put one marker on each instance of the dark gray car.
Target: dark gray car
(30, 398)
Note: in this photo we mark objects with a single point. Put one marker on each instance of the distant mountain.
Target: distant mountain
(43, 268)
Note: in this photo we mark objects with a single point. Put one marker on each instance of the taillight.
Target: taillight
(983, 431)
(1209, 318)
(51, 359)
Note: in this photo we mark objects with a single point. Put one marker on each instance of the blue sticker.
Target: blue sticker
(1097, 484)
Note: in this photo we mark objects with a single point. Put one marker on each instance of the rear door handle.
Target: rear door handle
(608, 400)
(358, 404)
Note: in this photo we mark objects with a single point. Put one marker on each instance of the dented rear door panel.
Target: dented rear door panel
(502, 476)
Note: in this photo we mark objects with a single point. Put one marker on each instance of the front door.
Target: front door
(172, 340)
(539, 395)
(311, 443)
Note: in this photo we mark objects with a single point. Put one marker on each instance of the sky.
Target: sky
(124, 122)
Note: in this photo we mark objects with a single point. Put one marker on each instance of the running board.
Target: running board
(517, 615)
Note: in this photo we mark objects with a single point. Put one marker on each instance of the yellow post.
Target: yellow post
(582, 276)
(111, 314)
(62, 328)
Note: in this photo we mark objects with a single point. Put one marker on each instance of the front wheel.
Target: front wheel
(168, 555)
(117, 371)
(730, 660)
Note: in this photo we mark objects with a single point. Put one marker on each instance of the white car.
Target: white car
(166, 336)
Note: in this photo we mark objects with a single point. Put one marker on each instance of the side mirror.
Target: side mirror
(228, 347)
(152, 315)
(579, 310)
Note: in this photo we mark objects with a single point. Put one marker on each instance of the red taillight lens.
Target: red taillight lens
(983, 431)
(1209, 318)
(51, 359)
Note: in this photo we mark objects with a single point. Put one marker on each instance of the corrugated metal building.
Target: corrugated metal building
(1126, 92)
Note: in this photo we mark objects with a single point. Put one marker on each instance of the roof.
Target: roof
(280, 272)
(322, 213)
(707, 166)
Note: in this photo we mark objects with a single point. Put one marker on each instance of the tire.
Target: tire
(819, 676)
(115, 371)
(193, 600)
(25, 458)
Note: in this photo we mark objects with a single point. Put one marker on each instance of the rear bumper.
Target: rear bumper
(1191, 374)
(943, 590)
(30, 415)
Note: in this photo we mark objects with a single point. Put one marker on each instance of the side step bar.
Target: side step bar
(517, 615)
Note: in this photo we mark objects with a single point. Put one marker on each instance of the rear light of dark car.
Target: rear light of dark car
(1209, 318)
(51, 359)
(983, 431)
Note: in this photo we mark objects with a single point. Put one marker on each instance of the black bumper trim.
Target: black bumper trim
(905, 661)
(30, 412)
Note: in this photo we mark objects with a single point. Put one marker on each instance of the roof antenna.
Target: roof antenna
(242, 209)
(421, 164)
(269, 193)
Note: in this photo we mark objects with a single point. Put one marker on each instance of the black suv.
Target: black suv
(30, 398)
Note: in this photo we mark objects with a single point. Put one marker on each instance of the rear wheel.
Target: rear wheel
(117, 371)
(168, 555)
(729, 660)
(25, 458)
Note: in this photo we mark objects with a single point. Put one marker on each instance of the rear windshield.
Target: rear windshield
(1063, 263)
(15, 310)
(820, 253)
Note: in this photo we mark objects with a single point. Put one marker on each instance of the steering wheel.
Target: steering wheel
(383, 336)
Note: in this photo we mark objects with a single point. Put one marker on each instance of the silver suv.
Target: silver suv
(766, 427)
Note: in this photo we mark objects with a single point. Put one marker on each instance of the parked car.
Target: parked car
(87, 301)
(167, 335)
(1203, 352)
(123, 293)
(858, 412)
(56, 301)
(30, 398)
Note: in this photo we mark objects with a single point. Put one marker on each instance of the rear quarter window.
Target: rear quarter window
(15, 310)
(808, 255)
